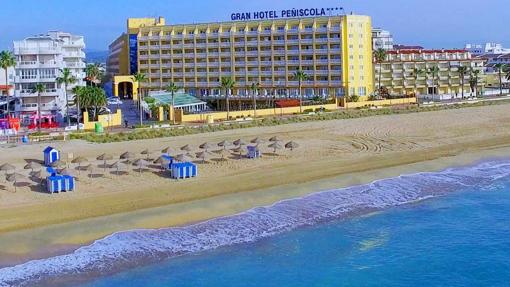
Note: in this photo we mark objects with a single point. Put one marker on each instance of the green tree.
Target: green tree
(172, 89)
(39, 88)
(254, 89)
(227, 84)
(417, 72)
(434, 73)
(66, 78)
(462, 70)
(379, 57)
(474, 76)
(500, 68)
(139, 78)
(94, 73)
(300, 76)
(7, 60)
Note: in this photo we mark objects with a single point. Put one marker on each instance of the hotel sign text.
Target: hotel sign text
(273, 14)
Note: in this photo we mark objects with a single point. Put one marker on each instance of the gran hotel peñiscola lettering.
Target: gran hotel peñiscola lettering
(273, 14)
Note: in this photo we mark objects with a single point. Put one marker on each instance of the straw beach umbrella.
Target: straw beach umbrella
(239, 142)
(146, 152)
(104, 157)
(224, 144)
(256, 141)
(7, 167)
(127, 155)
(186, 148)
(140, 163)
(275, 146)
(15, 178)
(275, 139)
(66, 171)
(291, 145)
(89, 168)
(118, 166)
(239, 150)
(168, 150)
(204, 155)
(79, 160)
(223, 153)
(162, 161)
(182, 158)
(206, 146)
(32, 165)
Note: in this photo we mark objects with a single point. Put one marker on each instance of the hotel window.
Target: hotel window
(362, 91)
(351, 36)
(281, 28)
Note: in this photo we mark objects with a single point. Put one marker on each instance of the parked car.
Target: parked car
(114, 101)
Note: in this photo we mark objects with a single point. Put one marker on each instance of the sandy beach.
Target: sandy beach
(332, 154)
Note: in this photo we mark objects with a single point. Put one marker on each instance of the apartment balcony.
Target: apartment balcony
(240, 44)
(306, 41)
(336, 61)
(74, 55)
(75, 65)
(166, 47)
(143, 57)
(325, 62)
(279, 52)
(321, 40)
(278, 42)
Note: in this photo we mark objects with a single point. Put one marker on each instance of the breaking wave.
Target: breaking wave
(124, 249)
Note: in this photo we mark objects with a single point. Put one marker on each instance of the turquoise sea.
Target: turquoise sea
(448, 228)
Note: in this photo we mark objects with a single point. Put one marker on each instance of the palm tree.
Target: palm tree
(139, 78)
(379, 57)
(500, 67)
(7, 60)
(254, 89)
(417, 72)
(94, 73)
(78, 92)
(172, 89)
(39, 88)
(97, 98)
(462, 70)
(473, 80)
(66, 78)
(434, 72)
(227, 84)
(300, 76)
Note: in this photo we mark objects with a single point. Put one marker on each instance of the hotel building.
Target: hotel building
(382, 39)
(398, 71)
(39, 59)
(335, 52)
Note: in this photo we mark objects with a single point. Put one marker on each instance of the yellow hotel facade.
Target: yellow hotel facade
(334, 51)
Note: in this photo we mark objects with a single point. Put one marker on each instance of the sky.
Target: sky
(430, 23)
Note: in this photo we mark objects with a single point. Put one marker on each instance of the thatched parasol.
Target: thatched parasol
(146, 152)
(256, 141)
(239, 150)
(239, 142)
(275, 146)
(66, 171)
(224, 144)
(291, 145)
(206, 146)
(118, 166)
(89, 168)
(140, 163)
(204, 155)
(104, 157)
(275, 139)
(167, 150)
(186, 148)
(127, 155)
(182, 158)
(7, 167)
(79, 160)
(223, 153)
(32, 165)
(15, 178)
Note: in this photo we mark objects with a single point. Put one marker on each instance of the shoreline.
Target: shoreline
(333, 154)
(223, 205)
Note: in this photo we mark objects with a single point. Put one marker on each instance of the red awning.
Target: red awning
(5, 87)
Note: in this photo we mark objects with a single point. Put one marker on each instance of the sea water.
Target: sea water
(448, 228)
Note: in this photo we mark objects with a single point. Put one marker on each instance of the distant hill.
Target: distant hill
(94, 56)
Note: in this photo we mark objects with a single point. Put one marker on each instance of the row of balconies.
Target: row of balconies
(282, 52)
(247, 33)
(251, 63)
(242, 42)
(245, 81)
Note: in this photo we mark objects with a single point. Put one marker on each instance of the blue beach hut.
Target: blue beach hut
(253, 152)
(181, 170)
(51, 155)
(68, 183)
(54, 183)
(168, 161)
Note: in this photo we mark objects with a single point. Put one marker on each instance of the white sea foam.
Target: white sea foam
(124, 248)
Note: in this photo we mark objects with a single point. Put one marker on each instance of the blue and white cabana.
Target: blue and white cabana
(253, 152)
(68, 183)
(182, 170)
(54, 183)
(51, 155)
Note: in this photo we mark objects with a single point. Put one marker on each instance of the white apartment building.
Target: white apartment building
(39, 59)
(488, 48)
(4, 86)
(382, 39)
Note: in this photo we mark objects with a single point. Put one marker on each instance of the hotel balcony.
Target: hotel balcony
(75, 65)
